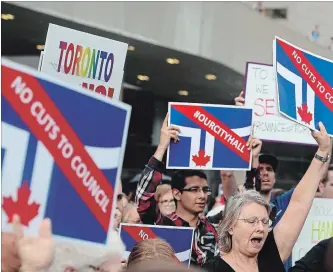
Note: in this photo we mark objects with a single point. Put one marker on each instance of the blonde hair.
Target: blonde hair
(232, 211)
(162, 190)
(127, 211)
(151, 249)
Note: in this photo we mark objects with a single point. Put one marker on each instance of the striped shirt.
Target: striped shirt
(204, 244)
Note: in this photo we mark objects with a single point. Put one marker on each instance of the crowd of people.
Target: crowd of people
(252, 228)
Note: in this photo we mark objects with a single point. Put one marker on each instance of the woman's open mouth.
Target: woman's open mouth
(256, 242)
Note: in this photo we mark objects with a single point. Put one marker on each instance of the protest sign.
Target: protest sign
(89, 61)
(317, 227)
(59, 160)
(179, 238)
(268, 123)
(304, 83)
(211, 137)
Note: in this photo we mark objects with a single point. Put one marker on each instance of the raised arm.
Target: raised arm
(288, 229)
(145, 191)
(229, 183)
(152, 176)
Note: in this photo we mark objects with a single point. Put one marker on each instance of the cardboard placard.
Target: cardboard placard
(212, 137)
(82, 59)
(304, 83)
(317, 227)
(179, 238)
(268, 123)
(59, 160)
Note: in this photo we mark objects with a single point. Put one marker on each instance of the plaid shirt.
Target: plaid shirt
(205, 236)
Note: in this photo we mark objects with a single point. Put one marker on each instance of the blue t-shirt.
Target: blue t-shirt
(279, 206)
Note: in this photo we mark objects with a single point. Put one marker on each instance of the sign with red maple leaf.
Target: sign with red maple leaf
(47, 137)
(268, 123)
(305, 85)
(212, 137)
(305, 114)
(21, 206)
(201, 159)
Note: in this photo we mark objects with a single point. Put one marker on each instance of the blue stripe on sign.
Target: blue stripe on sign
(180, 155)
(79, 117)
(304, 92)
(202, 139)
(179, 239)
(30, 159)
(3, 153)
(287, 97)
(128, 240)
(229, 159)
(69, 214)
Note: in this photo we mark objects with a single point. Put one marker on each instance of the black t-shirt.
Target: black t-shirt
(318, 259)
(268, 259)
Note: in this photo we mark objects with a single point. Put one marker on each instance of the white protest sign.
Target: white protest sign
(89, 61)
(317, 227)
(268, 123)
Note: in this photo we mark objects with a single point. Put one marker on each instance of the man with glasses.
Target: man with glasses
(190, 190)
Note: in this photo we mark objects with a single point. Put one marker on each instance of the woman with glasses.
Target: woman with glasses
(244, 238)
(165, 200)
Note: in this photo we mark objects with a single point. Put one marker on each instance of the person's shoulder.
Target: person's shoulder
(283, 200)
(171, 220)
(214, 264)
(314, 260)
(209, 227)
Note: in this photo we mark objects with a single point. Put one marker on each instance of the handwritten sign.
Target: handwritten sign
(59, 161)
(91, 62)
(317, 227)
(304, 82)
(212, 137)
(268, 123)
(179, 238)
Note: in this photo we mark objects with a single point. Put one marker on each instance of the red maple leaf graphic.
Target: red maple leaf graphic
(26, 211)
(201, 159)
(305, 114)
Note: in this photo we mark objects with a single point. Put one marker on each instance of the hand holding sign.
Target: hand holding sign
(36, 253)
(322, 138)
(240, 100)
(255, 144)
(167, 133)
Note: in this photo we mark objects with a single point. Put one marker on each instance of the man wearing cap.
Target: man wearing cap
(267, 167)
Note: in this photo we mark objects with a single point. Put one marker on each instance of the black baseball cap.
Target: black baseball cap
(269, 159)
